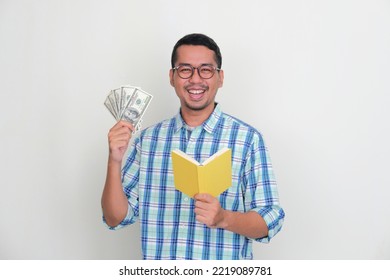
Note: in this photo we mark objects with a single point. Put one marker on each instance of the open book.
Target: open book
(213, 176)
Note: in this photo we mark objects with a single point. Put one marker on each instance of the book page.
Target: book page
(217, 154)
(216, 175)
(187, 157)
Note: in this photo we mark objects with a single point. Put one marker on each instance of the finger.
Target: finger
(204, 197)
(201, 215)
(204, 220)
(201, 211)
(127, 124)
(119, 141)
(119, 132)
(122, 123)
(201, 219)
(119, 138)
(202, 205)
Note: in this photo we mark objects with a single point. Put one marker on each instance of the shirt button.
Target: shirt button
(186, 199)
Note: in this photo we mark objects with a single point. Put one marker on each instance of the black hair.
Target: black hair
(197, 39)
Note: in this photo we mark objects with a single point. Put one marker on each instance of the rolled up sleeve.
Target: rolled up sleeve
(261, 194)
(130, 177)
(128, 220)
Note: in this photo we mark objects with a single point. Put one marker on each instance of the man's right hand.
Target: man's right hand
(118, 140)
(114, 200)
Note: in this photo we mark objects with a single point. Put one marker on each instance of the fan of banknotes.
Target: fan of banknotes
(128, 103)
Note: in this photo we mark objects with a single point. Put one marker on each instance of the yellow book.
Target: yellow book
(213, 176)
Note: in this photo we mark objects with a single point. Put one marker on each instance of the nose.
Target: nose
(195, 77)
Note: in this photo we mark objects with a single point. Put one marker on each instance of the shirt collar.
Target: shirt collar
(209, 125)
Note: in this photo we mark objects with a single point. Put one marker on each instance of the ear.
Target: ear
(171, 73)
(221, 77)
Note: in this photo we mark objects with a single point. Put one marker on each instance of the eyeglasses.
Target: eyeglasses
(205, 71)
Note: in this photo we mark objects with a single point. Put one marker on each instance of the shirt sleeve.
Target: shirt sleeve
(130, 176)
(261, 194)
(129, 219)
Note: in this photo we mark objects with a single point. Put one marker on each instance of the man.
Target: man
(174, 226)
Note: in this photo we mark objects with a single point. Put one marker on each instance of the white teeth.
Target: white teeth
(196, 91)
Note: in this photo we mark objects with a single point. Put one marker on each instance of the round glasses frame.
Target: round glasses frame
(205, 71)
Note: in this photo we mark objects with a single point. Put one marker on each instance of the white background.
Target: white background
(312, 76)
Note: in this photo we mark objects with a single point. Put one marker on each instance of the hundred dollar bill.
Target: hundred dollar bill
(126, 93)
(135, 107)
(117, 97)
(110, 104)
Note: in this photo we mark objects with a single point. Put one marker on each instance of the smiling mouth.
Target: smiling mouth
(196, 94)
(196, 91)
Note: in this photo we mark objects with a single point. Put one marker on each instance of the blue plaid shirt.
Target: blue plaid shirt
(169, 229)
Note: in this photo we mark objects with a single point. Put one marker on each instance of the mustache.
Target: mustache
(197, 86)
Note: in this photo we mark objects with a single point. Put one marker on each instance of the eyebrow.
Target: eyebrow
(203, 64)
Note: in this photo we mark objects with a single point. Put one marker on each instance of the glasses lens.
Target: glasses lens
(206, 71)
(185, 71)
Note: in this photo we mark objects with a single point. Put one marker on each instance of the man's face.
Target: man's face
(195, 93)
